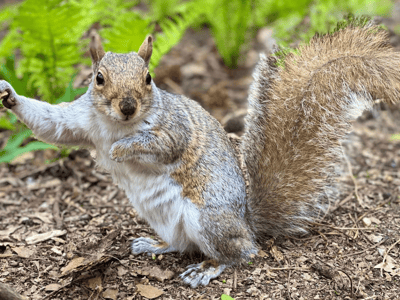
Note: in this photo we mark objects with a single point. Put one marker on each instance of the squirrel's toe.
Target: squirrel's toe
(201, 274)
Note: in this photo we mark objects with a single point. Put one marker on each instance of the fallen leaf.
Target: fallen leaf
(53, 287)
(37, 238)
(156, 273)
(110, 294)
(276, 253)
(73, 264)
(261, 253)
(121, 271)
(23, 251)
(388, 265)
(149, 291)
(94, 282)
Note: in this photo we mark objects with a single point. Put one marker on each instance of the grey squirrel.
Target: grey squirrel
(180, 170)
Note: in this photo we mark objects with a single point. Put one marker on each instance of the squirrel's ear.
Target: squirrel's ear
(146, 49)
(96, 49)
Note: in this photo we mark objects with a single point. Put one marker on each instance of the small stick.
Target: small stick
(387, 253)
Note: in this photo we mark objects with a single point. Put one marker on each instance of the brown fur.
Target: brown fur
(299, 115)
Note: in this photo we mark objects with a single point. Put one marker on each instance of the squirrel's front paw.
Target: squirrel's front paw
(117, 153)
(7, 94)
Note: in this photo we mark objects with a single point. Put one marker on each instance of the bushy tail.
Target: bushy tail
(298, 115)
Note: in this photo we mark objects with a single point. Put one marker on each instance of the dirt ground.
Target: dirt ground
(65, 228)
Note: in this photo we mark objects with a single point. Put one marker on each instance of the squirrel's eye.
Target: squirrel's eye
(148, 78)
(99, 79)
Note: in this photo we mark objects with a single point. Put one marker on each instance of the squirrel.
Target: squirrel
(180, 170)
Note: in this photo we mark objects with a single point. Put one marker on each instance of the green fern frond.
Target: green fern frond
(173, 30)
(127, 33)
(48, 46)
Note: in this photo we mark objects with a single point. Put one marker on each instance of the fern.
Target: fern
(48, 46)
(230, 21)
(173, 30)
(127, 33)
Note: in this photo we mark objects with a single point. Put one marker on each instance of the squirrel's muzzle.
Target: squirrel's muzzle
(128, 106)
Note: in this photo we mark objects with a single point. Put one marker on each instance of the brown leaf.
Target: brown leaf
(94, 282)
(149, 291)
(110, 294)
(37, 238)
(23, 251)
(53, 287)
(276, 253)
(156, 273)
(73, 264)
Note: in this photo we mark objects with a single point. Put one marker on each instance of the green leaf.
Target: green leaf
(15, 140)
(70, 92)
(127, 33)
(226, 297)
(395, 137)
(6, 124)
(32, 146)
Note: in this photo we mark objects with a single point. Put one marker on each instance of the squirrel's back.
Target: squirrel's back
(300, 112)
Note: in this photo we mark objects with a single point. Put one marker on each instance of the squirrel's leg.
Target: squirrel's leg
(202, 273)
(65, 123)
(145, 146)
(150, 246)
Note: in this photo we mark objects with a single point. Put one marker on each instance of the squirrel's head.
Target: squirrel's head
(121, 86)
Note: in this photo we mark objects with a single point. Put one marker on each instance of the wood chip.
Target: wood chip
(37, 238)
(149, 291)
(110, 294)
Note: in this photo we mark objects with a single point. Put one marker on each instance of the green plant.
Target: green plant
(230, 22)
(173, 30)
(127, 34)
(226, 297)
(13, 147)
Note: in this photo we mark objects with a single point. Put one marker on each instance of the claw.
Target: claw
(201, 274)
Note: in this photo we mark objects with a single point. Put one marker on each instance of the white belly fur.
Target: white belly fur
(174, 218)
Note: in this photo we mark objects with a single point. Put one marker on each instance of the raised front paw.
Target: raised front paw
(7, 94)
(201, 274)
(117, 153)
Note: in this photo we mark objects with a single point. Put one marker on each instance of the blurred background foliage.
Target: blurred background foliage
(49, 38)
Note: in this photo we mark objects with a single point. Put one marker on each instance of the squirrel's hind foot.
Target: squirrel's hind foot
(150, 246)
(202, 273)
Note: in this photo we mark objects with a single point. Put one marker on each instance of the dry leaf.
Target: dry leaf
(110, 294)
(261, 253)
(121, 271)
(53, 287)
(23, 251)
(388, 265)
(73, 264)
(149, 291)
(37, 238)
(276, 253)
(156, 273)
(92, 283)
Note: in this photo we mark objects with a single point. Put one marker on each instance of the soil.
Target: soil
(65, 228)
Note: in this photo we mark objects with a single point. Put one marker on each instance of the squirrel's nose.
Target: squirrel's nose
(128, 106)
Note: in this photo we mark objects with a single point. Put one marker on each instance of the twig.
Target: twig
(344, 201)
(351, 283)
(365, 250)
(352, 178)
(387, 253)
